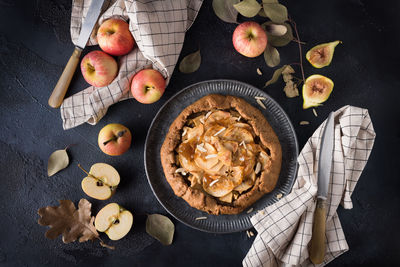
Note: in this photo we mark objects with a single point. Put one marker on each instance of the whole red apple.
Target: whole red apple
(98, 68)
(148, 86)
(115, 38)
(249, 39)
(114, 139)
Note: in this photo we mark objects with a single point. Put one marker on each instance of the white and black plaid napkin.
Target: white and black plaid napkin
(284, 228)
(158, 27)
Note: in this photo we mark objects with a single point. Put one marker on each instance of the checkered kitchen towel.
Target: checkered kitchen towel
(158, 27)
(284, 228)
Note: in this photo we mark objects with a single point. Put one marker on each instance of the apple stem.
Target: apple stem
(88, 174)
(120, 134)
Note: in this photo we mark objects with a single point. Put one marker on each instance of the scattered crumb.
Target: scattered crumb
(251, 233)
(304, 122)
(279, 196)
(315, 112)
(201, 218)
(250, 210)
(259, 71)
(261, 103)
(248, 234)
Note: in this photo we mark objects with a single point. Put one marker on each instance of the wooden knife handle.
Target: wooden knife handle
(57, 96)
(317, 248)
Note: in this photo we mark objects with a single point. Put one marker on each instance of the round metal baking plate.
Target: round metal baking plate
(178, 207)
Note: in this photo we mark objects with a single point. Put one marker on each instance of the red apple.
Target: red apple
(114, 139)
(249, 39)
(148, 86)
(115, 38)
(98, 68)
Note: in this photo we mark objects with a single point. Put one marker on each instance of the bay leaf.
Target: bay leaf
(276, 12)
(58, 160)
(190, 63)
(271, 56)
(248, 8)
(225, 11)
(275, 76)
(279, 41)
(161, 228)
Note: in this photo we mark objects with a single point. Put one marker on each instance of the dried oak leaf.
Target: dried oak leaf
(72, 223)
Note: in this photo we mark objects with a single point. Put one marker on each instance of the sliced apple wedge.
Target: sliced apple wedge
(114, 220)
(101, 182)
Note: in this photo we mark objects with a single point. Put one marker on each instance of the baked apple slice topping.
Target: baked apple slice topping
(219, 155)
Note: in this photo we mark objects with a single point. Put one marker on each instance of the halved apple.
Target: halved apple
(114, 220)
(101, 182)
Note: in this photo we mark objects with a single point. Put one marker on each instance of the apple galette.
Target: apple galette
(221, 155)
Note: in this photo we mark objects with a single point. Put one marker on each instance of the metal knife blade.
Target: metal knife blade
(89, 22)
(325, 158)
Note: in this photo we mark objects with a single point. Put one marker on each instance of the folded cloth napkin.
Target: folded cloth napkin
(284, 228)
(158, 27)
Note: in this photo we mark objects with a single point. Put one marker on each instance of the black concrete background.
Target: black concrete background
(35, 45)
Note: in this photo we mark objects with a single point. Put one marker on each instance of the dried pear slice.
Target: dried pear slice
(231, 145)
(235, 174)
(316, 90)
(217, 186)
(203, 156)
(225, 156)
(215, 130)
(227, 198)
(321, 55)
(238, 134)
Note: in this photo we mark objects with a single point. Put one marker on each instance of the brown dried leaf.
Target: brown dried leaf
(72, 223)
(275, 76)
(290, 89)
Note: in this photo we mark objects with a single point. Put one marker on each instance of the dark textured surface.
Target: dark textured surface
(34, 47)
(159, 129)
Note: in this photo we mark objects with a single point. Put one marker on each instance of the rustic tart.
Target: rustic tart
(221, 155)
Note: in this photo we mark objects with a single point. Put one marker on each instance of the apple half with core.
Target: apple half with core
(114, 220)
(101, 181)
(249, 39)
(148, 86)
(98, 68)
(115, 38)
(114, 139)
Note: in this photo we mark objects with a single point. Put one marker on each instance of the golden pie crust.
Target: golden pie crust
(221, 155)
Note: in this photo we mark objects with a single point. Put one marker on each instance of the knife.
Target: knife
(57, 96)
(317, 248)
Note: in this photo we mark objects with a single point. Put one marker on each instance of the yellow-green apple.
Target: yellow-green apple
(98, 68)
(114, 220)
(148, 86)
(249, 39)
(101, 182)
(114, 139)
(115, 38)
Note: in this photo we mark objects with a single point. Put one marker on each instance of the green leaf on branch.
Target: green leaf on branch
(271, 56)
(190, 63)
(278, 41)
(248, 8)
(225, 11)
(276, 12)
